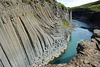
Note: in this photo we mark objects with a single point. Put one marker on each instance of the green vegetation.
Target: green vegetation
(86, 10)
(62, 6)
(65, 24)
(90, 7)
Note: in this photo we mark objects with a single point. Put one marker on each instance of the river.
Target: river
(80, 34)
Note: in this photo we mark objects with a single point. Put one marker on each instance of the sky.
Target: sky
(73, 3)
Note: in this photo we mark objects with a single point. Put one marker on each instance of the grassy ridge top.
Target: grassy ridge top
(91, 7)
(86, 10)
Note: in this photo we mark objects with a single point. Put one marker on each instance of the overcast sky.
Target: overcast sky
(73, 3)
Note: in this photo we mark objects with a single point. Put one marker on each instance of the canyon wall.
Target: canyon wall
(31, 32)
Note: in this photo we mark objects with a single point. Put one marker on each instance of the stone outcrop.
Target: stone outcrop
(88, 54)
(31, 32)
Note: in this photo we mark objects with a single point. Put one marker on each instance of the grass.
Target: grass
(62, 6)
(86, 10)
(65, 24)
(94, 6)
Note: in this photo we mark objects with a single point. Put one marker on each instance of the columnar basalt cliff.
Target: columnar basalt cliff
(31, 32)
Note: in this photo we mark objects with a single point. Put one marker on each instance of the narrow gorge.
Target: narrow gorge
(32, 32)
(88, 53)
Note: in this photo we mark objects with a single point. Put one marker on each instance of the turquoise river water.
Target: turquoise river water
(80, 34)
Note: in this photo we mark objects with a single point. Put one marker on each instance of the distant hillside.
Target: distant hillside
(87, 12)
(94, 6)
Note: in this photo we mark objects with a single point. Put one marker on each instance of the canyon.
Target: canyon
(88, 53)
(35, 32)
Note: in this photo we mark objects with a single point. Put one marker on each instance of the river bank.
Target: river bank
(88, 53)
(79, 34)
(90, 21)
(69, 30)
(53, 58)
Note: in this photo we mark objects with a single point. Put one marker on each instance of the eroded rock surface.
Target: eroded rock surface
(31, 32)
(88, 53)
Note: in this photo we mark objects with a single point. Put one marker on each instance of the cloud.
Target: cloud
(73, 3)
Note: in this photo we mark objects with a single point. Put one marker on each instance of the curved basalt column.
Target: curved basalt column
(30, 33)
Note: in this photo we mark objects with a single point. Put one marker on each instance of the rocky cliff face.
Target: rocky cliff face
(88, 53)
(31, 32)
